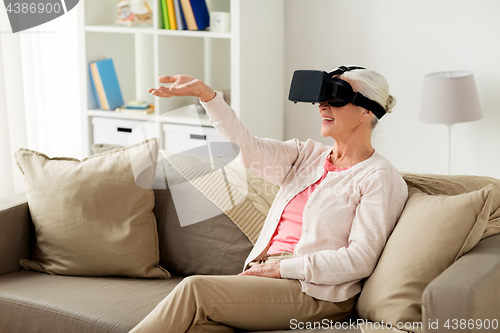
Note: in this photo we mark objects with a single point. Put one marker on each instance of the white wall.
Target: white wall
(404, 40)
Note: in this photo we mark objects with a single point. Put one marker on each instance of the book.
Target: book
(184, 24)
(105, 84)
(188, 15)
(138, 105)
(164, 10)
(179, 17)
(171, 14)
(201, 14)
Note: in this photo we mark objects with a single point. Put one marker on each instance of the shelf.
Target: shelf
(194, 33)
(119, 29)
(114, 114)
(235, 61)
(113, 28)
(173, 117)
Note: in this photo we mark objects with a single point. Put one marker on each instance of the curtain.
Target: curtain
(40, 93)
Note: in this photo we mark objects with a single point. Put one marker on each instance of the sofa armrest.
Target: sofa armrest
(16, 232)
(468, 289)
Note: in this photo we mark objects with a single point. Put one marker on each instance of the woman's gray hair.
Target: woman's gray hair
(373, 86)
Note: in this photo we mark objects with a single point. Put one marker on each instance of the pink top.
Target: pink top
(289, 229)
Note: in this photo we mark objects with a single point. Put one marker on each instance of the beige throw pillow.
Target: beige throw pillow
(432, 232)
(458, 184)
(91, 218)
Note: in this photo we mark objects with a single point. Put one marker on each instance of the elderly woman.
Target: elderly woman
(324, 233)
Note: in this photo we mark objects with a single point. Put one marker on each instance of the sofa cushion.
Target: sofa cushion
(213, 245)
(217, 173)
(458, 184)
(432, 232)
(91, 217)
(36, 302)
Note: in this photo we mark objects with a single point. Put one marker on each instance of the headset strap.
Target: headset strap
(342, 69)
(357, 98)
(366, 103)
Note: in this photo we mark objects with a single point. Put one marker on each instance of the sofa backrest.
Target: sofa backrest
(211, 245)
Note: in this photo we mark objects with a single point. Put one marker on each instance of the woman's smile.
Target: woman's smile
(325, 117)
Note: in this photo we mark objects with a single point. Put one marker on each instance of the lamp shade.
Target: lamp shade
(450, 97)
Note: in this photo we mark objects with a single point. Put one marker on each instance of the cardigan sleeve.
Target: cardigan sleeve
(384, 194)
(267, 158)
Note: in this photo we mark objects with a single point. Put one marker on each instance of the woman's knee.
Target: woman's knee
(194, 284)
(209, 288)
(193, 281)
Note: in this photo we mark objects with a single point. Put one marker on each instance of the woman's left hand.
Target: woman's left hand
(271, 270)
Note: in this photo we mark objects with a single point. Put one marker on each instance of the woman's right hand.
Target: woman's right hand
(183, 85)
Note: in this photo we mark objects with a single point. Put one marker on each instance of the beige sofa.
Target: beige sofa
(38, 302)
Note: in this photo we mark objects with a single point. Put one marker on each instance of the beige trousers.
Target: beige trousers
(207, 303)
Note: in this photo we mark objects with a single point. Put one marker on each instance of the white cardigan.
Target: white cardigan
(346, 220)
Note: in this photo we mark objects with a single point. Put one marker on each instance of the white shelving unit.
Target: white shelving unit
(247, 62)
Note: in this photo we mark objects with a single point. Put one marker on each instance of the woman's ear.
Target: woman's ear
(367, 116)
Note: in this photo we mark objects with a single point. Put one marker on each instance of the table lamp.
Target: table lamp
(449, 98)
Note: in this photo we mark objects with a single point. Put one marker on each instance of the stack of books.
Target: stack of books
(105, 84)
(185, 14)
(137, 107)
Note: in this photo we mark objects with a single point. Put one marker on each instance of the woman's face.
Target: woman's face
(340, 123)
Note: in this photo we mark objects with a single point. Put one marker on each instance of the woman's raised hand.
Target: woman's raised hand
(183, 85)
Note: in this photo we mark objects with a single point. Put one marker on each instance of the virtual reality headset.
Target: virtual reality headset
(319, 86)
